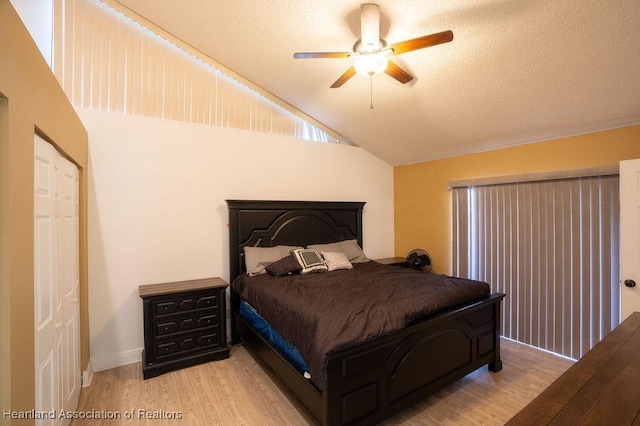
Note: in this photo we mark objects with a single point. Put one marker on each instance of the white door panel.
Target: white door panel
(45, 279)
(70, 314)
(629, 236)
(56, 283)
(44, 273)
(46, 398)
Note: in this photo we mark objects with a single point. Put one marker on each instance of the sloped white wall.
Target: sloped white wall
(157, 211)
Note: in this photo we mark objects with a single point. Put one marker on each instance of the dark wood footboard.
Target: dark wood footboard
(372, 381)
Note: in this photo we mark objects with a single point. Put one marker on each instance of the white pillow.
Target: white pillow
(336, 260)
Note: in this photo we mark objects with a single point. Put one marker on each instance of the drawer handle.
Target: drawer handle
(205, 302)
(166, 308)
(166, 328)
(167, 348)
(207, 321)
(207, 340)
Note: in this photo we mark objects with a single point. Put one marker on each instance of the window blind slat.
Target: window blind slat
(576, 269)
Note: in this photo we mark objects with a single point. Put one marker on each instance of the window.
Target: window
(105, 60)
(550, 245)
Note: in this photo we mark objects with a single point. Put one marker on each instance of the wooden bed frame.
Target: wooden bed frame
(374, 380)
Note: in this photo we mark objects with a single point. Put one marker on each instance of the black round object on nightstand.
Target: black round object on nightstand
(419, 260)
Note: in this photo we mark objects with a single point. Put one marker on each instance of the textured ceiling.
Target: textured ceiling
(517, 71)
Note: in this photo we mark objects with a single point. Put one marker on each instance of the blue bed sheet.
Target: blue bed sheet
(285, 347)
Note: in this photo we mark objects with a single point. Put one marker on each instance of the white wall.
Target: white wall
(157, 210)
(37, 16)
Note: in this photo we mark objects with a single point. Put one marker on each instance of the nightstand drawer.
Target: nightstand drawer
(186, 324)
(181, 347)
(184, 304)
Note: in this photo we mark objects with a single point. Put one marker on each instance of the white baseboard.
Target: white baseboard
(87, 376)
(117, 360)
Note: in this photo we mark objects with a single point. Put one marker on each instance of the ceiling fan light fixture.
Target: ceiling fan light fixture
(371, 63)
(370, 51)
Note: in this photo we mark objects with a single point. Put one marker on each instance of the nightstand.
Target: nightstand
(184, 324)
(395, 261)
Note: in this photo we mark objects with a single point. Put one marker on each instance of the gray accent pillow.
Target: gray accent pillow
(256, 259)
(349, 247)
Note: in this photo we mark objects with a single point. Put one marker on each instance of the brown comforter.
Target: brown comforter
(321, 313)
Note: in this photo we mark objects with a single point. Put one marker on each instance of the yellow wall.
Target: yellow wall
(31, 100)
(423, 202)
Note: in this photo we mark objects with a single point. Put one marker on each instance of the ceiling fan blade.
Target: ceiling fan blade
(306, 55)
(344, 77)
(370, 25)
(398, 73)
(421, 42)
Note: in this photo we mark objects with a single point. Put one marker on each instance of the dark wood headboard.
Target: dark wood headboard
(293, 223)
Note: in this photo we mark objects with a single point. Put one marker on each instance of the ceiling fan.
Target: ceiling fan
(372, 53)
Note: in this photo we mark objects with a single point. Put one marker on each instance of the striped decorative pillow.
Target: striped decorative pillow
(310, 260)
(336, 260)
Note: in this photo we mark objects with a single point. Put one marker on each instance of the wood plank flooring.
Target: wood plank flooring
(237, 391)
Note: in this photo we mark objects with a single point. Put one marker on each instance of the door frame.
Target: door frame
(629, 236)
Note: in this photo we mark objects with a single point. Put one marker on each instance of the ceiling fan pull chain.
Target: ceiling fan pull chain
(371, 90)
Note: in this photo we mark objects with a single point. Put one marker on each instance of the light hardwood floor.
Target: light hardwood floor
(237, 391)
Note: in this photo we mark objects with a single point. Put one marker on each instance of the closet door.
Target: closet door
(69, 258)
(45, 278)
(56, 282)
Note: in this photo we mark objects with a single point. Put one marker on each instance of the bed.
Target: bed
(374, 379)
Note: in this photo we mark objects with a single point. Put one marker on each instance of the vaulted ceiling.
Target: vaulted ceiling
(517, 71)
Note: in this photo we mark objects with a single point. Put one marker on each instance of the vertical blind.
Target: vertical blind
(106, 61)
(552, 246)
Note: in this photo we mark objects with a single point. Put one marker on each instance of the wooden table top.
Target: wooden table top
(601, 388)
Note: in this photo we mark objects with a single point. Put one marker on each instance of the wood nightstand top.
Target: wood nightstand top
(391, 260)
(148, 290)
